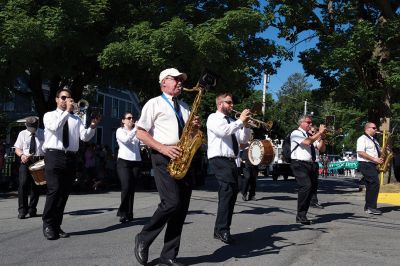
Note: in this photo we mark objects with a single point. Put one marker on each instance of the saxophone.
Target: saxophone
(386, 153)
(189, 142)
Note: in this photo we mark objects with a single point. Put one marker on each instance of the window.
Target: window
(121, 108)
(99, 135)
(129, 107)
(100, 103)
(114, 112)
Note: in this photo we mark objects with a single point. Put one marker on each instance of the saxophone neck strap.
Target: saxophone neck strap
(375, 143)
(178, 115)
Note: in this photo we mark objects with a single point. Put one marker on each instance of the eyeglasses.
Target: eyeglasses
(373, 127)
(228, 102)
(177, 79)
(129, 117)
(308, 122)
(63, 97)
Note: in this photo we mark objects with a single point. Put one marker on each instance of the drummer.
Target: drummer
(28, 148)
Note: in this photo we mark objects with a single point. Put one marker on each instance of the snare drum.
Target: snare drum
(261, 152)
(37, 172)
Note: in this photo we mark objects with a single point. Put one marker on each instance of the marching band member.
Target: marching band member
(62, 133)
(303, 164)
(368, 156)
(128, 165)
(224, 135)
(160, 127)
(319, 146)
(28, 148)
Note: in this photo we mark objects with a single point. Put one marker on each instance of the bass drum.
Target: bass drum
(261, 152)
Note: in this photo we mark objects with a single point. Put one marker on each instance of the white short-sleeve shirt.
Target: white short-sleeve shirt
(159, 119)
(366, 144)
(303, 151)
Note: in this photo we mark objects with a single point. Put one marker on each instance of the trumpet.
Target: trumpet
(80, 109)
(255, 123)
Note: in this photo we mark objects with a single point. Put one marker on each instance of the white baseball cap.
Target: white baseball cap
(173, 72)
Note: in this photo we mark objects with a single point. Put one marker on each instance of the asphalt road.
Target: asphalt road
(264, 230)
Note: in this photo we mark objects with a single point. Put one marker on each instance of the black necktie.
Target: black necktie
(177, 108)
(375, 143)
(313, 155)
(65, 135)
(32, 145)
(234, 140)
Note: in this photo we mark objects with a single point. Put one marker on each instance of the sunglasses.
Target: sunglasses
(228, 102)
(308, 122)
(63, 97)
(373, 127)
(129, 117)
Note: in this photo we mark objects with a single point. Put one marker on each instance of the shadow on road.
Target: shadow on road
(90, 211)
(259, 242)
(135, 222)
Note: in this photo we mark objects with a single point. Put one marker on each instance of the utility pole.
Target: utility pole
(266, 80)
(305, 107)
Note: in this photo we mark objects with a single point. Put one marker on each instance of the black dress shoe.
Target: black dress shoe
(123, 220)
(303, 220)
(316, 205)
(32, 214)
(224, 237)
(21, 216)
(50, 234)
(169, 262)
(252, 198)
(141, 250)
(244, 197)
(62, 234)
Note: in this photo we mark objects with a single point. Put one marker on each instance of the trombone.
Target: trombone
(255, 123)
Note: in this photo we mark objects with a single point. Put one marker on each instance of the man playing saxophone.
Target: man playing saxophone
(368, 156)
(160, 127)
(224, 135)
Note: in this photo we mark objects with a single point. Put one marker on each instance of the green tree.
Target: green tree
(357, 51)
(56, 41)
(290, 105)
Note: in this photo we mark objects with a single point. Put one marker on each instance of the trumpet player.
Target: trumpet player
(319, 146)
(303, 165)
(224, 135)
(62, 131)
(28, 148)
(368, 156)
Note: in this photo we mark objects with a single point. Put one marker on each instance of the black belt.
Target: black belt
(301, 161)
(68, 153)
(223, 157)
(363, 162)
(36, 158)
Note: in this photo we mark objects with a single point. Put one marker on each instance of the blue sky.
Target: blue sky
(288, 67)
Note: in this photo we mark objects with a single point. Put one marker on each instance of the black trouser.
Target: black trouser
(128, 172)
(226, 172)
(303, 172)
(172, 209)
(371, 180)
(314, 184)
(60, 170)
(249, 180)
(26, 187)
